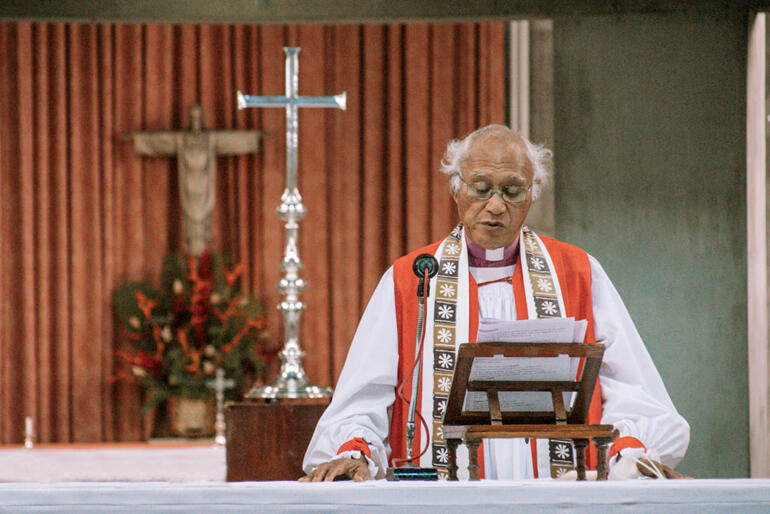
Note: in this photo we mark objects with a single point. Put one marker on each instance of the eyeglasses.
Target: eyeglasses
(484, 191)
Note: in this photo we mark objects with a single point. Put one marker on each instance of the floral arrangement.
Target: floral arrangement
(201, 322)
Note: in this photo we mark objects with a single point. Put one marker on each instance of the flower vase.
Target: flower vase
(192, 417)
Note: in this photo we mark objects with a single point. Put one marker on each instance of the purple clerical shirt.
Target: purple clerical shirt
(480, 257)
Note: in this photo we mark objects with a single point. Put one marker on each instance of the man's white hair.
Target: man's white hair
(457, 150)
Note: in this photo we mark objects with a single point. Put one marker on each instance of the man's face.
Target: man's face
(499, 160)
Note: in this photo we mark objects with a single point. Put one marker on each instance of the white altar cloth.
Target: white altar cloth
(737, 495)
(190, 478)
(114, 463)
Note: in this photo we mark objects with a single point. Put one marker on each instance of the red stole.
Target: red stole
(574, 273)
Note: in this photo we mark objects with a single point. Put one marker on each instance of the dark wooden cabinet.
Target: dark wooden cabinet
(267, 441)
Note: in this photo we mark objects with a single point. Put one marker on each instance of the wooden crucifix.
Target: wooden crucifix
(196, 150)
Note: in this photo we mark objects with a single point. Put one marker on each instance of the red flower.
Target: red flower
(257, 324)
(147, 361)
(200, 311)
(205, 266)
(199, 334)
(145, 304)
(201, 302)
(182, 336)
(232, 309)
(178, 305)
(200, 276)
(194, 366)
(231, 277)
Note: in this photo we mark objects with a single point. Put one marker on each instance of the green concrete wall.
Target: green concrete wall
(650, 179)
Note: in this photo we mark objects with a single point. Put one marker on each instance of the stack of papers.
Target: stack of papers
(499, 368)
(551, 330)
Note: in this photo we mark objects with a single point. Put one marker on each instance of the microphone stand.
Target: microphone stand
(425, 266)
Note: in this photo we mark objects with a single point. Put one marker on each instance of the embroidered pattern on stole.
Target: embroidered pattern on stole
(444, 337)
(545, 300)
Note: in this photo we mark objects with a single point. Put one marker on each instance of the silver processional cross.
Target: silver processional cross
(292, 381)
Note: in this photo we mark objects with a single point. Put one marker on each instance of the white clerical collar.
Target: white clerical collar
(479, 256)
(495, 255)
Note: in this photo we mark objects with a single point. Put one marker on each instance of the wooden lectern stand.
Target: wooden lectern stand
(560, 422)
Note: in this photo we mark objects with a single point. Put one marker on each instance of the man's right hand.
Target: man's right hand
(343, 468)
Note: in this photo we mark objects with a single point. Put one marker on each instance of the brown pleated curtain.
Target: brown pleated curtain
(81, 212)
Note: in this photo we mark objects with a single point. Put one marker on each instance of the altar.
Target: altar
(114, 462)
(165, 477)
(735, 495)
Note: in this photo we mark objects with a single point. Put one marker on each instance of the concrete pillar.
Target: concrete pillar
(650, 138)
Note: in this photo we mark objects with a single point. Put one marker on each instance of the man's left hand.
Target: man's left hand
(644, 465)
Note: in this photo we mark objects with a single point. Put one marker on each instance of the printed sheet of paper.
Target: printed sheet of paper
(521, 368)
(552, 330)
(526, 401)
(499, 368)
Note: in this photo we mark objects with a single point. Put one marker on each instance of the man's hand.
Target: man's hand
(632, 463)
(644, 465)
(339, 469)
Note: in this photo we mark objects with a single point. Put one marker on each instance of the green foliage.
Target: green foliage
(200, 321)
(124, 299)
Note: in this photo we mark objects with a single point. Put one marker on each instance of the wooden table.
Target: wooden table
(267, 441)
(559, 422)
(471, 435)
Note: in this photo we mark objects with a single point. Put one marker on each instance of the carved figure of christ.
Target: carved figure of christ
(196, 150)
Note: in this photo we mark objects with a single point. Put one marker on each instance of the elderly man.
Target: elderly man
(484, 265)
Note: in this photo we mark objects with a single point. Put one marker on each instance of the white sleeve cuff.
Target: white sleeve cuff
(356, 454)
(623, 464)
